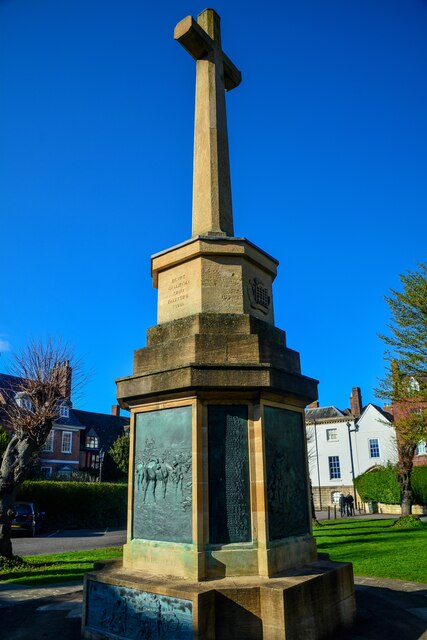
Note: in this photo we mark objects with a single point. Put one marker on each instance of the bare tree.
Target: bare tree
(43, 381)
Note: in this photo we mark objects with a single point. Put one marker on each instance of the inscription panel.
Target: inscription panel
(130, 614)
(288, 507)
(162, 487)
(228, 457)
(178, 291)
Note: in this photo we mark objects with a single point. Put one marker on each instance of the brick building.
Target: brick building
(78, 439)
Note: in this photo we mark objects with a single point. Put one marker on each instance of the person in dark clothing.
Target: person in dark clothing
(349, 500)
(342, 504)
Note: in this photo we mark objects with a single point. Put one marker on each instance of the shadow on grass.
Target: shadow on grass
(41, 580)
(354, 531)
(361, 537)
(36, 573)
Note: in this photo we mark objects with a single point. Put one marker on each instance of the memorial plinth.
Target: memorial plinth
(219, 542)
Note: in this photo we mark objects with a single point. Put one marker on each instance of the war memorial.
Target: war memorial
(219, 543)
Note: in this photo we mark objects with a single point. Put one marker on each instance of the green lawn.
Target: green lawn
(57, 567)
(375, 548)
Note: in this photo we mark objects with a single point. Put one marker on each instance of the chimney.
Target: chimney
(313, 405)
(115, 410)
(388, 408)
(356, 401)
(63, 378)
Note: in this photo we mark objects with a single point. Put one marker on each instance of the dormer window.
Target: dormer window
(64, 411)
(23, 401)
(92, 442)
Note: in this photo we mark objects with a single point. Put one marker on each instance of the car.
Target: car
(27, 518)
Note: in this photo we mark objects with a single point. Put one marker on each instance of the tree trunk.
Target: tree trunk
(406, 457)
(406, 494)
(13, 470)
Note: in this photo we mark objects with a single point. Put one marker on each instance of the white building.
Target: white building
(343, 442)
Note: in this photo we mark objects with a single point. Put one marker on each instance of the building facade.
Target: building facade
(78, 439)
(342, 444)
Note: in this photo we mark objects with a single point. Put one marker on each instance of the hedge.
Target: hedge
(381, 485)
(78, 505)
(419, 483)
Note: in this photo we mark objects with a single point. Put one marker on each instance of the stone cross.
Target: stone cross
(215, 74)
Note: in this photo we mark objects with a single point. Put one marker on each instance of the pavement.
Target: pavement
(60, 541)
(386, 610)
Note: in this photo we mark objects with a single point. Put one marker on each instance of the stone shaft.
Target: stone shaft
(215, 73)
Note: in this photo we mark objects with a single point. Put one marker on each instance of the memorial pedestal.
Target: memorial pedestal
(307, 604)
(219, 528)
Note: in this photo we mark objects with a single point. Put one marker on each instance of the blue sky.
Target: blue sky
(328, 142)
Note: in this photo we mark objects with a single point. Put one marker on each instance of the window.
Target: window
(418, 411)
(414, 385)
(64, 411)
(48, 445)
(65, 472)
(331, 435)
(67, 442)
(94, 461)
(46, 472)
(23, 401)
(421, 449)
(92, 442)
(374, 448)
(334, 467)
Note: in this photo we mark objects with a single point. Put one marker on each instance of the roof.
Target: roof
(323, 413)
(71, 421)
(107, 427)
(332, 413)
(9, 385)
(386, 414)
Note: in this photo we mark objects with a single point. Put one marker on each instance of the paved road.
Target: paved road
(60, 541)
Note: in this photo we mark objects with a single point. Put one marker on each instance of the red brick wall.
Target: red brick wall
(57, 454)
(420, 461)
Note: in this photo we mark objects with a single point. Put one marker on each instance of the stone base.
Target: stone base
(305, 604)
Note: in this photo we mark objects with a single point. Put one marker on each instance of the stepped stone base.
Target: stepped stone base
(215, 351)
(305, 604)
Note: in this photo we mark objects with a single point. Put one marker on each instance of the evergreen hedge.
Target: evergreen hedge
(78, 505)
(419, 483)
(381, 485)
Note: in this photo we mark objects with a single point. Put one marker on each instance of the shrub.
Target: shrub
(381, 485)
(419, 485)
(119, 452)
(408, 522)
(78, 505)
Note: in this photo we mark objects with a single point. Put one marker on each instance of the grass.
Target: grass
(376, 548)
(56, 567)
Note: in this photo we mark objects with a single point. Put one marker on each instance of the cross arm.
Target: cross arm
(232, 76)
(199, 44)
(193, 38)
